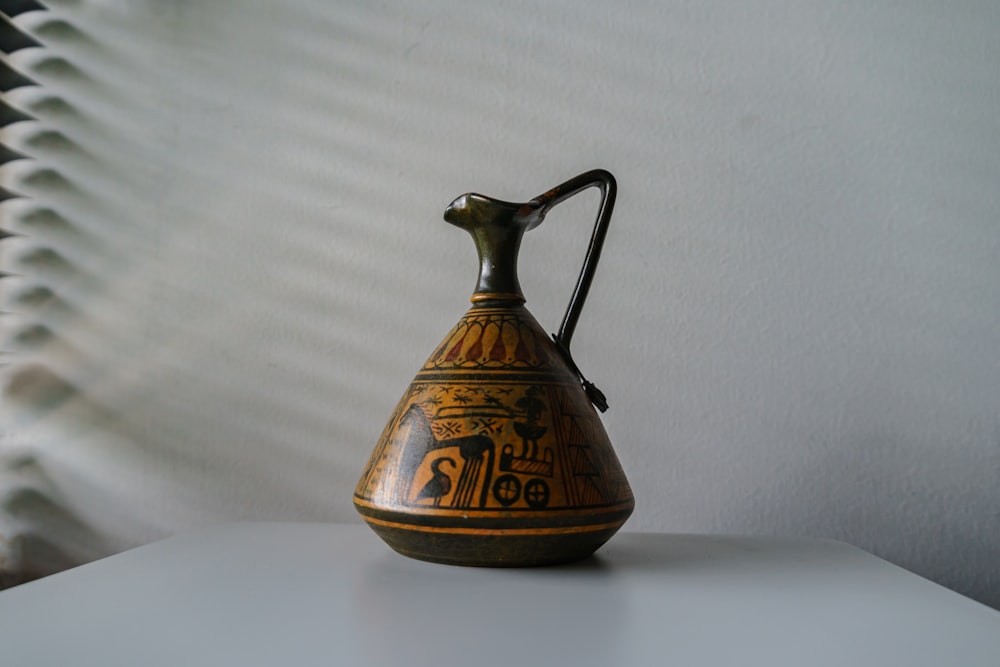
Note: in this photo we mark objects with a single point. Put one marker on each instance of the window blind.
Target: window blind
(19, 294)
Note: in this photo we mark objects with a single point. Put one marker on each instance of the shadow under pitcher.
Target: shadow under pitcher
(495, 455)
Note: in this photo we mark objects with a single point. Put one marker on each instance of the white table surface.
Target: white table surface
(314, 594)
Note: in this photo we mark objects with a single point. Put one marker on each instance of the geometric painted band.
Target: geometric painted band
(572, 519)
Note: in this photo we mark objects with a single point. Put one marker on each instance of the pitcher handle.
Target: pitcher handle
(602, 179)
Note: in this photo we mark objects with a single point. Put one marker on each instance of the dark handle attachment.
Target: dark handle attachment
(606, 182)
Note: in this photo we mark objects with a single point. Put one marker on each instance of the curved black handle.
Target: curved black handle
(602, 179)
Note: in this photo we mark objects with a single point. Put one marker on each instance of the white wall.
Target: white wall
(232, 258)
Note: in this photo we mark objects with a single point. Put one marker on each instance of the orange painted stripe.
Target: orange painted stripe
(489, 296)
(498, 531)
(499, 513)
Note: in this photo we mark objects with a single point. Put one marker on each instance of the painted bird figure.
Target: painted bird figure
(439, 485)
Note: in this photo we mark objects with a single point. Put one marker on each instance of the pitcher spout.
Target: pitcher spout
(473, 210)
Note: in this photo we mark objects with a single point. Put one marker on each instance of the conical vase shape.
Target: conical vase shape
(495, 454)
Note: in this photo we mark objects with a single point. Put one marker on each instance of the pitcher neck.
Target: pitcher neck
(496, 228)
